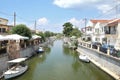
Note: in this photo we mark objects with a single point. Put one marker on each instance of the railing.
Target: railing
(90, 46)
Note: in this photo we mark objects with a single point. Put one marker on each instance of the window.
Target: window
(3, 30)
(97, 30)
(97, 39)
(102, 29)
(90, 29)
(0, 30)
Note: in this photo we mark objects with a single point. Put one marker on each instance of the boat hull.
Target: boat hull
(16, 73)
(84, 58)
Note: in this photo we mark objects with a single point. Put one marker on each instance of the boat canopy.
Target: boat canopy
(18, 60)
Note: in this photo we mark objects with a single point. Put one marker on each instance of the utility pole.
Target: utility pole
(85, 22)
(14, 19)
(35, 26)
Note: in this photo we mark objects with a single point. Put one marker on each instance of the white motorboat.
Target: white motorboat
(16, 70)
(40, 49)
(84, 58)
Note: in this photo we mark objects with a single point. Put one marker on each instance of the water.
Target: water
(60, 63)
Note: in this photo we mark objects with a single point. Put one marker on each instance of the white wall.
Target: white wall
(117, 44)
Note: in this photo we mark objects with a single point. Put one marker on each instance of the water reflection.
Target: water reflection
(86, 71)
(60, 63)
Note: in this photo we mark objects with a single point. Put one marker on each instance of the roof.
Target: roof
(4, 18)
(113, 21)
(6, 25)
(101, 21)
(18, 60)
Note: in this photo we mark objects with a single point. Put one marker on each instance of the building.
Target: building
(112, 33)
(104, 31)
(98, 30)
(4, 27)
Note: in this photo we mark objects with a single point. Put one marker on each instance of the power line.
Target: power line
(24, 19)
(108, 11)
(5, 14)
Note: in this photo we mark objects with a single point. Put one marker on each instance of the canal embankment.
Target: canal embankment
(3, 63)
(107, 63)
(28, 52)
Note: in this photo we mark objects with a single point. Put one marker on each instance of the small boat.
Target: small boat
(40, 49)
(84, 58)
(16, 70)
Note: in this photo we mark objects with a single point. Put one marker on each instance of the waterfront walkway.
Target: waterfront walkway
(95, 59)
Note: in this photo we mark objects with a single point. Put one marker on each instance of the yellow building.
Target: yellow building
(4, 28)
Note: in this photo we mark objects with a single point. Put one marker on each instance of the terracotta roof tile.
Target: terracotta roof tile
(102, 21)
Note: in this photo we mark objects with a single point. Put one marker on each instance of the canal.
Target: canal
(60, 63)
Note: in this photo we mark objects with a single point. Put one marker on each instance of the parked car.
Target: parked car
(105, 47)
(95, 45)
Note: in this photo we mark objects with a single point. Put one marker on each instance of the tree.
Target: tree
(42, 36)
(75, 32)
(22, 30)
(48, 34)
(68, 27)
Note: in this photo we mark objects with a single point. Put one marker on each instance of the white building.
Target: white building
(98, 32)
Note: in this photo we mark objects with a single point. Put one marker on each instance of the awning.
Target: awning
(2, 38)
(35, 36)
(15, 37)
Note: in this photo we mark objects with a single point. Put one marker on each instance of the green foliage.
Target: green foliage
(68, 30)
(42, 36)
(22, 30)
(48, 34)
(68, 27)
(75, 32)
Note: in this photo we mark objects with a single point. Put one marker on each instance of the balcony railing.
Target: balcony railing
(110, 32)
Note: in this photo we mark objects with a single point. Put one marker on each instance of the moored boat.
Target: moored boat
(16, 70)
(40, 50)
(84, 58)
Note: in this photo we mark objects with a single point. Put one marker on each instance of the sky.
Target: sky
(50, 15)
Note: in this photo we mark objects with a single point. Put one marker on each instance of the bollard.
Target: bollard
(98, 48)
(108, 51)
(91, 46)
(25, 45)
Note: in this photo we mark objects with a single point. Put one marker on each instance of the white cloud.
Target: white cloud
(42, 21)
(76, 23)
(73, 3)
(104, 8)
(100, 5)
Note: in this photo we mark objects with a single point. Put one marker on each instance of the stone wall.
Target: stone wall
(110, 63)
(29, 51)
(3, 63)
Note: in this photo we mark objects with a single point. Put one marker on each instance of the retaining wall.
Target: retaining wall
(28, 52)
(108, 63)
(3, 63)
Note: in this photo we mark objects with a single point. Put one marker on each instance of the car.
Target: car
(95, 45)
(105, 47)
